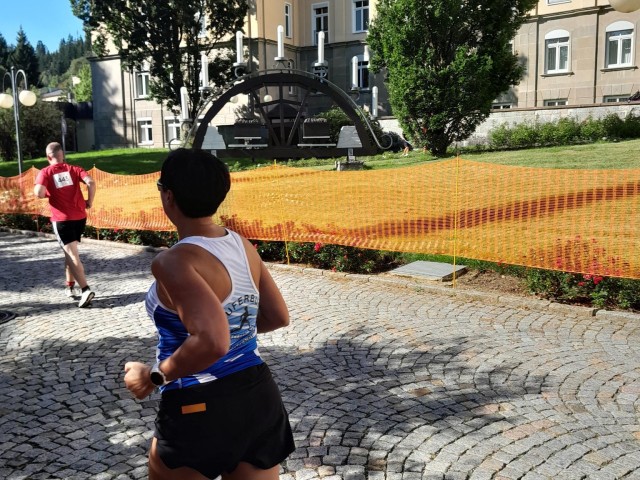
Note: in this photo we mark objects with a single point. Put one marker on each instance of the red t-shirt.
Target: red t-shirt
(62, 182)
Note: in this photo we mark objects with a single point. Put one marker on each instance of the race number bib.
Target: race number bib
(62, 179)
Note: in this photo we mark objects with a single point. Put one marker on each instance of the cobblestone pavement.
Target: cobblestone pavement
(382, 381)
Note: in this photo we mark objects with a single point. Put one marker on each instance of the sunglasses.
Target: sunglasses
(161, 186)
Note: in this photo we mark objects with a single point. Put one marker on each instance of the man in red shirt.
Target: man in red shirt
(60, 183)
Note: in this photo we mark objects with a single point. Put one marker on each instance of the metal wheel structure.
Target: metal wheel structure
(282, 139)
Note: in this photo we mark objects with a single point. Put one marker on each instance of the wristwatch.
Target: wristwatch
(157, 377)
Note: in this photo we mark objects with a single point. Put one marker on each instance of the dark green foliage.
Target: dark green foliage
(39, 125)
(23, 57)
(446, 62)
(168, 35)
(592, 290)
(337, 258)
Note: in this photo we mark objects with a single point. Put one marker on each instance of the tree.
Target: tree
(82, 90)
(24, 57)
(39, 125)
(446, 61)
(168, 37)
(5, 51)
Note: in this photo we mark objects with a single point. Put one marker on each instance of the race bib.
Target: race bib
(62, 179)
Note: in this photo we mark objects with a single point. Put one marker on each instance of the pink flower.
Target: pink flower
(597, 280)
(333, 269)
(587, 277)
(317, 247)
(581, 284)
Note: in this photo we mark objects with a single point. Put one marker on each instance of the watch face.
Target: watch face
(157, 378)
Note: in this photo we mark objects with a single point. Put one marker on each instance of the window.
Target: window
(619, 45)
(556, 2)
(320, 21)
(288, 32)
(145, 131)
(615, 98)
(360, 16)
(142, 84)
(555, 102)
(172, 129)
(363, 71)
(557, 51)
(501, 106)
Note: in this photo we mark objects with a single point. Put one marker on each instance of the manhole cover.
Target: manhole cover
(5, 316)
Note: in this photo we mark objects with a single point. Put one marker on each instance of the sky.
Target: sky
(46, 20)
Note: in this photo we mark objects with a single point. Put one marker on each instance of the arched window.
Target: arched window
(557, 51)
(619, 48)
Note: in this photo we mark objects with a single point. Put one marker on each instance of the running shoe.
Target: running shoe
(86, 298)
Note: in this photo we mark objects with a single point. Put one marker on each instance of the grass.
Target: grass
(598, 156)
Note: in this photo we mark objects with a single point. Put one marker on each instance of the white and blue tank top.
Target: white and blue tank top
(241, 307)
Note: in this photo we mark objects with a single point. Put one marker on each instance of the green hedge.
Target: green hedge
(566, 131)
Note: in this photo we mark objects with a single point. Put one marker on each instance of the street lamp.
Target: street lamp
(26, 97)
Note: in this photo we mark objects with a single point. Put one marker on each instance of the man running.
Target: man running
(60, 183)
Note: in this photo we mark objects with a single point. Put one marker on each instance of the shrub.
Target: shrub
(567, 131)
(500, 137)
(524, 135)
(613, 126)
(592, 130)
(337, 258)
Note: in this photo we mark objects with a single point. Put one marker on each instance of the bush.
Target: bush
(500, 137)
(592, 130)
(337, 258)
(592, 290)
(566, 131)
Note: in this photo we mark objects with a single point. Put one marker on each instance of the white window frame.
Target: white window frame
(617, 33)
(556, 2)
(145, 131)
(288, 20)
(141, 80)
(172, 127)
(557, 40)
(314, 17)
(363, 66)
(361, 13)
(501, 105)
(556, 102)
(615, 98)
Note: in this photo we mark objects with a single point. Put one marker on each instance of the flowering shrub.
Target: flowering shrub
(599, 289)
(337, 258)
(594, 290)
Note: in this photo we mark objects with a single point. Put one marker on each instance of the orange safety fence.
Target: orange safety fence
(583, 221)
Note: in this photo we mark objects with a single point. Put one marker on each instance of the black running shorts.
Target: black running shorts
(69, 230)
(214, 426)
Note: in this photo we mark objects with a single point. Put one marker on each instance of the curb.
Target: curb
(416, 284)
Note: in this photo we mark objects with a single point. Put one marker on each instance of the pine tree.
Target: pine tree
(24, 57)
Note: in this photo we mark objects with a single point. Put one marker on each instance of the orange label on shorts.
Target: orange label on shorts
(195, 408)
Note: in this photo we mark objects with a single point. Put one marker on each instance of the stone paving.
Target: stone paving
(384, 380)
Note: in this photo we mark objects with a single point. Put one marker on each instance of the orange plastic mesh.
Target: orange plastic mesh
(581, 221)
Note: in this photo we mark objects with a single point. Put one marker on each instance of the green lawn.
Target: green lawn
(602, 155)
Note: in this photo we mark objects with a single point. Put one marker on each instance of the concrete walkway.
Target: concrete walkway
(382, 379)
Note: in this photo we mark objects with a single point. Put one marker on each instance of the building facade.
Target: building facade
(579, 55)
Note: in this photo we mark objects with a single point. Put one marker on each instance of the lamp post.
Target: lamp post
(26, 97)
